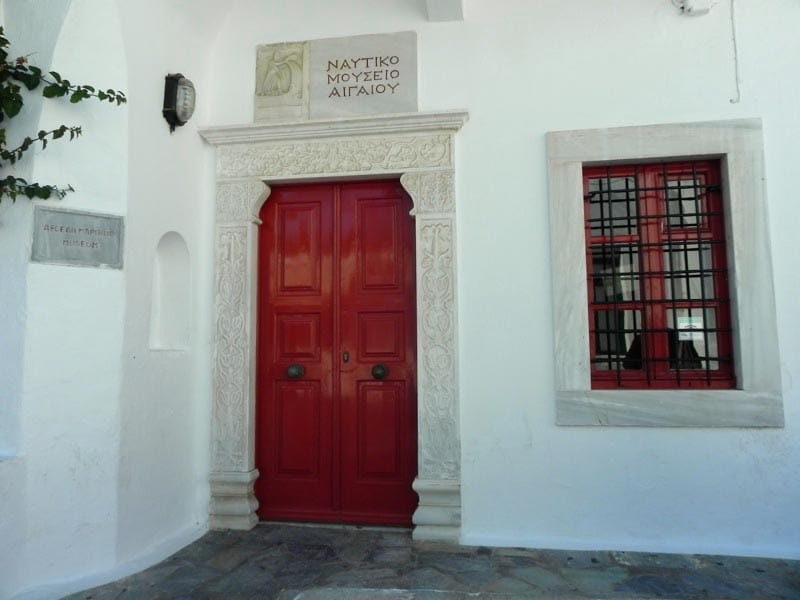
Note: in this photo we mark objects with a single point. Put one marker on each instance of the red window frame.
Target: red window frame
(657, 278)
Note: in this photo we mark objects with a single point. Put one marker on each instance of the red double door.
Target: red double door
(336, 388)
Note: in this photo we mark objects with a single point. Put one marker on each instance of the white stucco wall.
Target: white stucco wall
(109, 472)
(163, 485)
(108, 439)
(15, 218)
(15, 223)
(68, 407)
(522, 69)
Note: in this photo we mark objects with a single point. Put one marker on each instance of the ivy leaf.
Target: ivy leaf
(12, 104)
(31, 77)
(43, 192)
(14, 74)
(32, 81)
(53, 90)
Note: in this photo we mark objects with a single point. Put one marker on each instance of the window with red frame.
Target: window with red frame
(659, 306)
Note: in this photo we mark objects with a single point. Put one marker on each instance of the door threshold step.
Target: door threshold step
(338, 526)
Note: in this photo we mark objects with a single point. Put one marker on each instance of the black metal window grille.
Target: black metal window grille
(659, 304)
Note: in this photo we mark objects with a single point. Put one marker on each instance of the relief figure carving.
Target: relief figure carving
(280, 70)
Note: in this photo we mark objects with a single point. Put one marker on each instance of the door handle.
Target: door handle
(295, 371)
(379, 372)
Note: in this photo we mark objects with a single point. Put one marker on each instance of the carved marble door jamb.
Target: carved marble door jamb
(438, 482)
(419, 148)
(233, 503)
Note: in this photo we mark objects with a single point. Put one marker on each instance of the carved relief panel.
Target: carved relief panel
(281, 92)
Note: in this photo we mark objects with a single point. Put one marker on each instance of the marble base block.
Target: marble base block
(438, 516)
(233, 503)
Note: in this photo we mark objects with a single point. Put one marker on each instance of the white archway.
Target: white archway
(416, 147)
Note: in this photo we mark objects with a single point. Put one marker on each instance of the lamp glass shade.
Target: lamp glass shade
(179, 100)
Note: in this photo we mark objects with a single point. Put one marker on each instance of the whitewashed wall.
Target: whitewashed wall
(521, 69)
(165, 400)
(105, 469)
(105, 462)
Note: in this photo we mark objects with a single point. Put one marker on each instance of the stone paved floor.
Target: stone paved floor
(287, 562)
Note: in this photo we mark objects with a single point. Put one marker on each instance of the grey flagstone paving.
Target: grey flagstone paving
(297, 562)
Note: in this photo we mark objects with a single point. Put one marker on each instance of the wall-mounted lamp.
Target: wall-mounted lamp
(178, 100)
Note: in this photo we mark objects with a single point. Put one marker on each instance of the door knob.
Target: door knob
(379, 372)
(295, 371)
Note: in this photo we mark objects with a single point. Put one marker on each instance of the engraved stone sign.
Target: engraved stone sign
(337, 77)
(364, 75)
(84, 239)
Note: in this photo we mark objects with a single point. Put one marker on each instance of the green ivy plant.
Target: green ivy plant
(14, 75)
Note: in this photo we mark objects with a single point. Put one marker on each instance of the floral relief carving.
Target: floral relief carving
(432, 191)
(237, 201)
(439, 439)
(352, 155)
(231, 364)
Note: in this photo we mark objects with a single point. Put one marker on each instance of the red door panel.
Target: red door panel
(379, 408)
(298, 410)
(337, 298)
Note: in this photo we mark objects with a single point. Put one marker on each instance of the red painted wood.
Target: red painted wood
(653, 237)
(337, 279)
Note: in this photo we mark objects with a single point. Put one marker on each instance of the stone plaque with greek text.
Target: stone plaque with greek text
(364, 75)
(83, 239)
(337, 77)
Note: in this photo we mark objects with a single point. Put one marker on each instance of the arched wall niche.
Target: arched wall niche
(171, 308)
(419, 149)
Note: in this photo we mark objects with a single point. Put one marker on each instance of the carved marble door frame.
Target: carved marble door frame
(416, 147)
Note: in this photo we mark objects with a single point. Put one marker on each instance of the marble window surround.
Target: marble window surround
(758, 400)
(417, 148)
